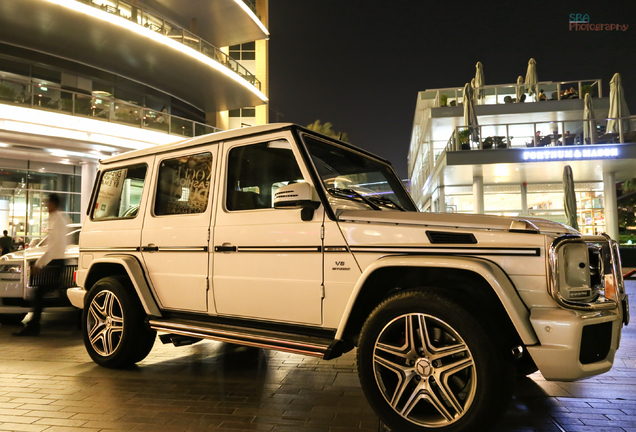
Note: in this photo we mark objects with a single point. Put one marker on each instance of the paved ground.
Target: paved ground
(50, 384)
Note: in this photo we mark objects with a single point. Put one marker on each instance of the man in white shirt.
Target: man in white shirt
(50, 264)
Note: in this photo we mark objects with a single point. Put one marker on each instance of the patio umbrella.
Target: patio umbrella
(618, 106)
(480, 82)
(470, 118)
(531, 77)
(589, 127)
(569, 197)
(520, 90)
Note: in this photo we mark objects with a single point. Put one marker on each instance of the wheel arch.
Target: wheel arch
(480, 285)
(128, 266)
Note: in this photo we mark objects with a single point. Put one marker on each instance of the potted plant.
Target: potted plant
(443, 100)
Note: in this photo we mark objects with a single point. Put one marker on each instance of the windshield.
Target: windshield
(350, 176)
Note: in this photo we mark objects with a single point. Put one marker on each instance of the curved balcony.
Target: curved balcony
(137, 45)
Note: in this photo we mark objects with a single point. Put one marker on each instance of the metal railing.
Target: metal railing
(509, 93)
(98, 105)
(173, 31)
(541, 134)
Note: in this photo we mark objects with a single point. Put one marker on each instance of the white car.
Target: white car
(277, 237)
(17, 283)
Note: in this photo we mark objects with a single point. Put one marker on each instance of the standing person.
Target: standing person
(50, 264)
(6, 243)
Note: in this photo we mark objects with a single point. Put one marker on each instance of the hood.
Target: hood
(458, 220)
(32, 254)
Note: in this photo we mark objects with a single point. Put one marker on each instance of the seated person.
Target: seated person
(573, 93)
(542, 96)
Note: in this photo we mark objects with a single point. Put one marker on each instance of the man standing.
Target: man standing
(50, 264)
(6, 243)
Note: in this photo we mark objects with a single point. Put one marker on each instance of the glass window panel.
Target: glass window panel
(184, 185)
(255, 172)
(250, 46)
(249, 55)
(502, 202)
(248, 112)
(119, 193)
(235, 113)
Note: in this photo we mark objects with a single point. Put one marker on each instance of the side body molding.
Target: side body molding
(492, 274)
(136, 275)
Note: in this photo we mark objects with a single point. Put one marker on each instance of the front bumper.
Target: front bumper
(575, 344)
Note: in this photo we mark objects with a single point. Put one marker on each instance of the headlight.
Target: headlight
(9, 268)
(583, 272)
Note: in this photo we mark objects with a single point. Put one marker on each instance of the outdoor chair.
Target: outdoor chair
(487, 144)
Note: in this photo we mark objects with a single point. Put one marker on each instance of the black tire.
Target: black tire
(11, 319)
(113, 326)
(456, 378)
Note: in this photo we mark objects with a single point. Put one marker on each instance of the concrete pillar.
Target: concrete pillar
(442, 199)
(524, 199)
(89, 172)
(478, 194)
(609, 198)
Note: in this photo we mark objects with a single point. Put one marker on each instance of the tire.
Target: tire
(457, 377)
(11, 319)
(113, 326)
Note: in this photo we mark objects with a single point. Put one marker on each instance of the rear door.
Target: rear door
(176, 233)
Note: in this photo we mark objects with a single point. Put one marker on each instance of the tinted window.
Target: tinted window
(256, 171)
(119, 193)
(184, 185)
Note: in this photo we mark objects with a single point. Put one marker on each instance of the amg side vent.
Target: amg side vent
(441, 237)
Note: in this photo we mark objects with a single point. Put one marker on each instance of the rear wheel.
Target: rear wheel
(426, 363)
(113, 324)
(11, 319)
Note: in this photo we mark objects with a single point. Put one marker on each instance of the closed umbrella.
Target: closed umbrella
(531, 77)
(470, 118)
(589, 126)
(480, 83)
(520, 90)
(569, 197)
(618, 106)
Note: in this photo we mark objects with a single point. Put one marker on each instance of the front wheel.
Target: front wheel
(426, 363)
(113, 324)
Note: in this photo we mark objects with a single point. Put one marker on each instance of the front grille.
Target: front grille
(46, 277)
(596, 340)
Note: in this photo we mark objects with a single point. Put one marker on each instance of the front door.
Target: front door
(176, 233)
(267, 262)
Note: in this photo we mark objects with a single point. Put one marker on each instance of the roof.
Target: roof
(204, 139)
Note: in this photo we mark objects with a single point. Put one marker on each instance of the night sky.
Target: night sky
(360, 64)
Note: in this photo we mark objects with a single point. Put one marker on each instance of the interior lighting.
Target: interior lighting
(150, 34)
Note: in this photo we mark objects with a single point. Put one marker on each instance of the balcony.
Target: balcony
(132, 42)
(98, 106)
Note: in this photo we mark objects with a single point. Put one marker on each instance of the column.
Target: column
(478, 194)
(442, 199)
(89, 172)
(610, 204)
(524, 199)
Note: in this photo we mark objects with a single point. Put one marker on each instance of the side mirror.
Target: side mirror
(297, 195)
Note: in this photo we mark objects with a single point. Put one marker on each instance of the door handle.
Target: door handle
(226, 247)
(150, 248)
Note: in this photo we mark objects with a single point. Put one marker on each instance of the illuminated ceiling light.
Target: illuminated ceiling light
(150, 34)
(252, 15)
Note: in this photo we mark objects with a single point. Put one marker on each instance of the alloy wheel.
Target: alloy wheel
(424, 370)
(105, 323)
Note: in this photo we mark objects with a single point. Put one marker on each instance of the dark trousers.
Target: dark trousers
(50, 281)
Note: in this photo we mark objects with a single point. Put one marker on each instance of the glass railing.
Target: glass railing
(543, 134)
(173, 31)
(98, 105)
(515, 93)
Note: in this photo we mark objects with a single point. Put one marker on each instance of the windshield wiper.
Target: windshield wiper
(386, 202)
(353, 196)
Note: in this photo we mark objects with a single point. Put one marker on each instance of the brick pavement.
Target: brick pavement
(49, 384)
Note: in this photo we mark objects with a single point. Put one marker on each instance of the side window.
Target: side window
(256, 171)
(183, 185)
(119, 193)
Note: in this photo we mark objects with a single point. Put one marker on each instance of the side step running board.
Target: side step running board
(297, 344)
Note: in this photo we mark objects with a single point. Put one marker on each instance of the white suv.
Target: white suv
(277, 237)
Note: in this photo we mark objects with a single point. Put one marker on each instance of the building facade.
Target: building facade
(512, 162)
(84, 79)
